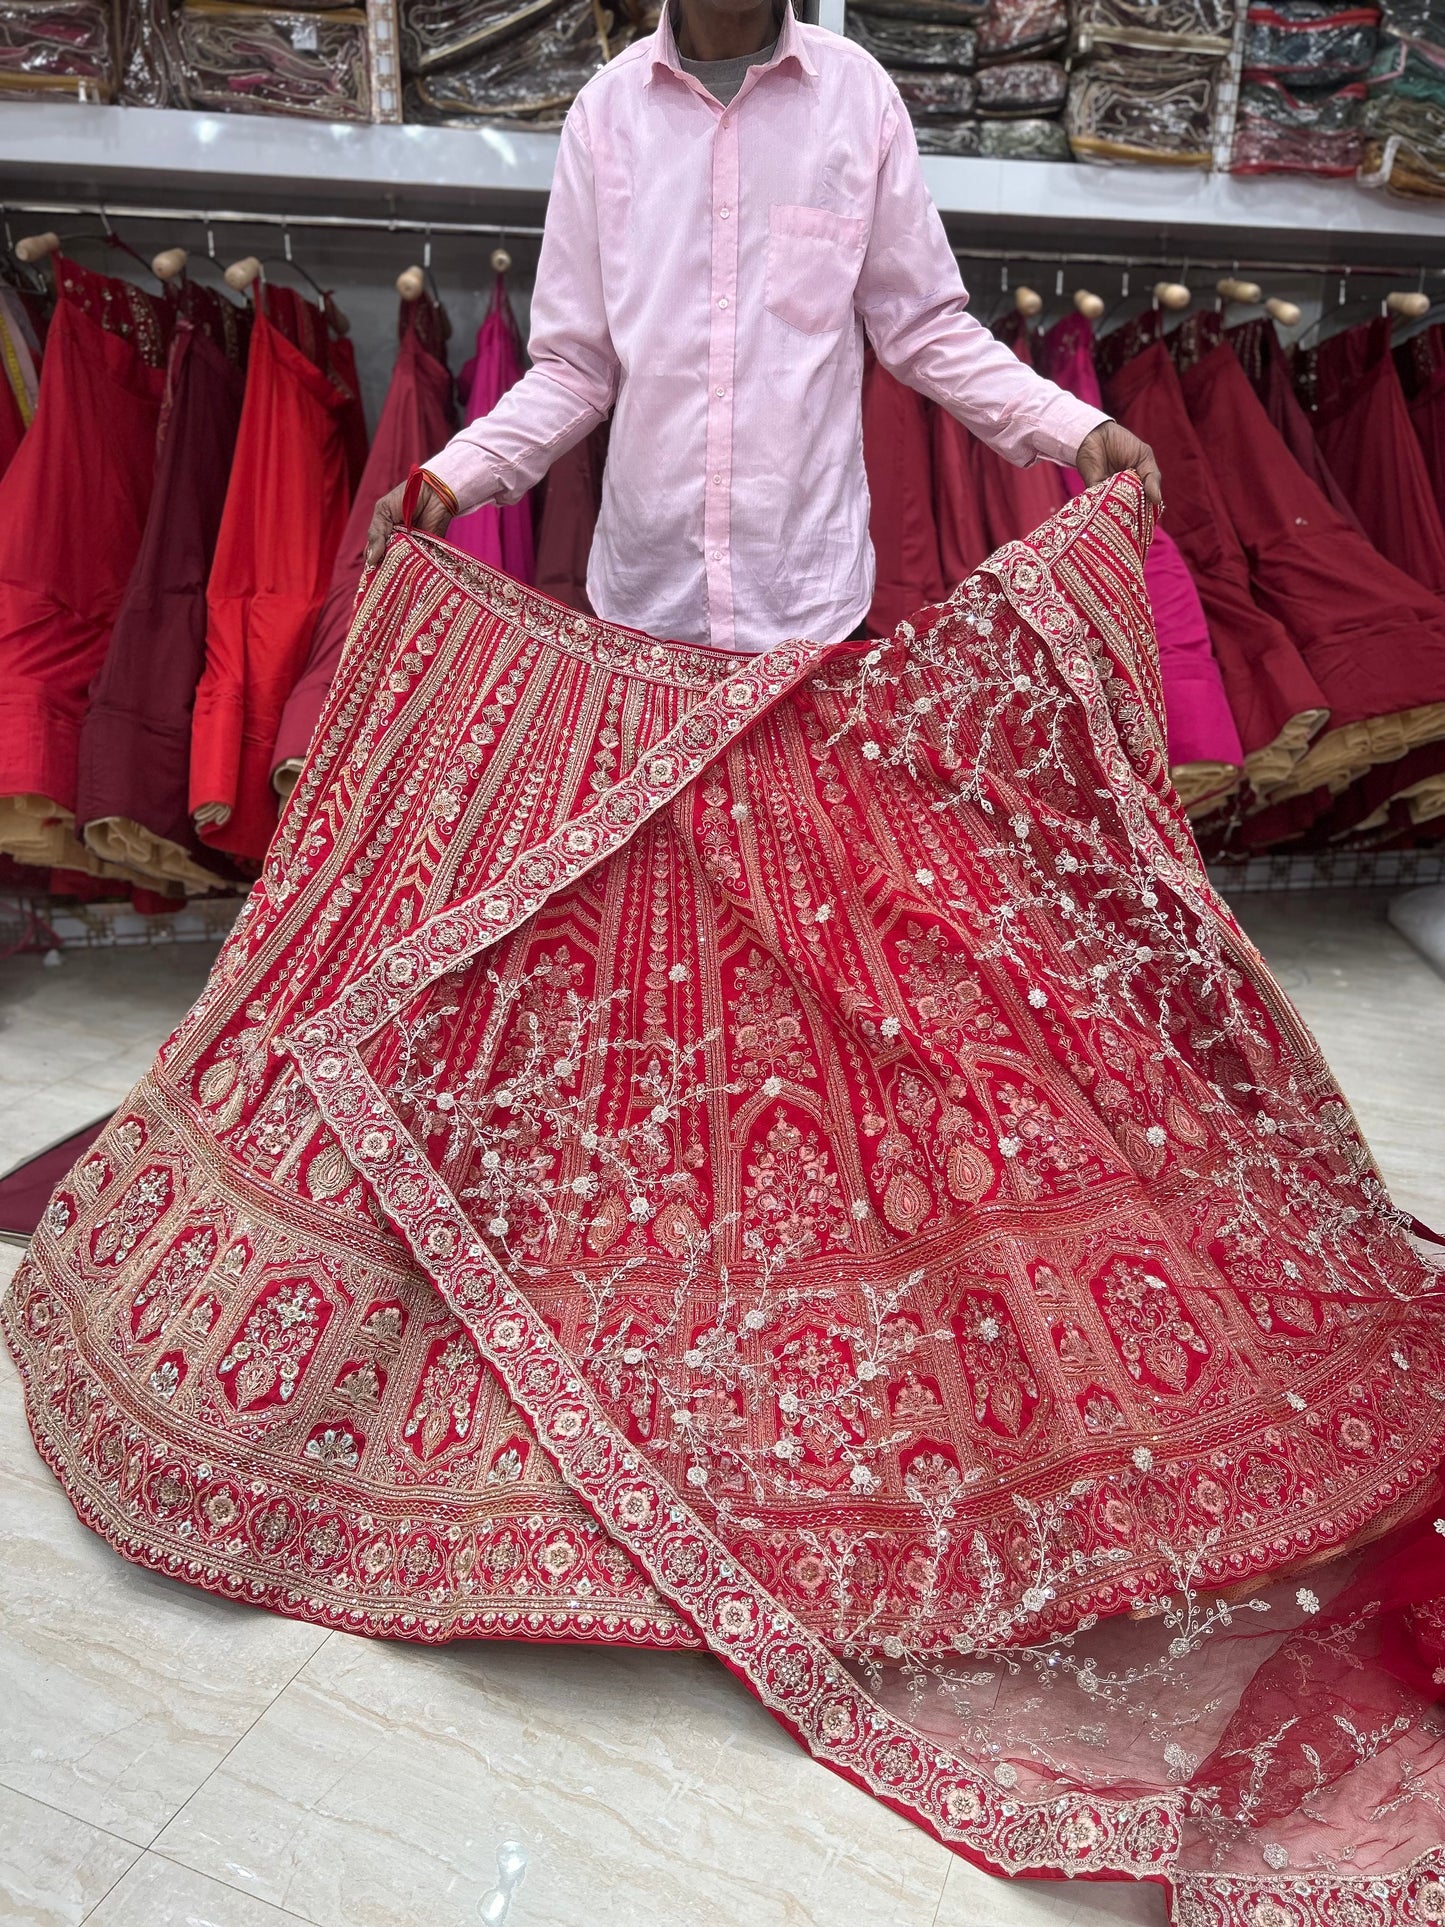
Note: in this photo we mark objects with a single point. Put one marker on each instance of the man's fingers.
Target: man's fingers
(379, 534)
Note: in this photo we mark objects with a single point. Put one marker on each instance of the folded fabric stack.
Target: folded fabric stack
(1405, 111)
(1022, 82)
(930, 50)
(244, 59)
(1302, 90)
(150, 54)
(1146, 80)
(58, 49)
(518, 61)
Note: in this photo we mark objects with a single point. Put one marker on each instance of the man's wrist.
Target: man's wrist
(440, 489)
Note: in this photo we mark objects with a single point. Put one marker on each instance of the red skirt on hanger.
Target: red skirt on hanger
(1371, 637)
(909, 573)
(285, 510)
(1420, 364)
(418, 416)
(1205, 754)
(571, 501)
(1264, 360)
(341, 360)
(957, 514)
(1014, 501)
(72, 512)
(1276, 702)
(1351, 387)
(499, 532)
(135, 745)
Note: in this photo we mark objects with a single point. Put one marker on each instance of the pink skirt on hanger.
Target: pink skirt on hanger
(498, 533)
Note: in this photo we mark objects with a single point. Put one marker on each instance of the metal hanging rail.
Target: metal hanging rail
(1184, 261)
(237, 217)
(406, 224)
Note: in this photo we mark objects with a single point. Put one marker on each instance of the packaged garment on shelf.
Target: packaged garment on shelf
(58, 49)
(571, 503)
(934, 95)
(135, 744)
(73, 508)
(529, 75)
(417, 418)
(1174, 26)
(940, 13)
(1314, 131)
(911, 43)
(1023, 140)
(896, 453)
(1312, 44)
(1351, 388)
(1022, 90)
(953, 137)
(1263, 358)
(1373, 638)
(499, 533)
(1157, 108)
(245, 59)
(1013, 29)
(1275, 700)
(285, 511)
(150, 55)
(1405, 117)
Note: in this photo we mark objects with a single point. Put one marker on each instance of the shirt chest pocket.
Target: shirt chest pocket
(814, 259)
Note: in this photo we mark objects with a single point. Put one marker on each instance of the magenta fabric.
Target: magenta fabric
(500, 534)
(1201, 725)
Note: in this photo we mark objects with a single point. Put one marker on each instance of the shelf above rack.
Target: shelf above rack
(267, 162)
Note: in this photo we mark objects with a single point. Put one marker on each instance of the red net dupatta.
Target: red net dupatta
(789, 1154)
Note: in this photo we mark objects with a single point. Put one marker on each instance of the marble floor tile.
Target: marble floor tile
(121, 1689)
(972, 1898)
(642, 1787)
(54, 1869)
(157, 1893)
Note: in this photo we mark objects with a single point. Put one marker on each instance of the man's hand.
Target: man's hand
(433, 517)
(1109, 450)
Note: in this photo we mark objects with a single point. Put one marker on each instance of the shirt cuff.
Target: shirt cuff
(470, 475)
(1063, 426)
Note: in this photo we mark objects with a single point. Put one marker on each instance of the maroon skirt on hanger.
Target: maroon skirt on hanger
(571, 502)
(1420, 364)
(418, 416)
(1277, 703)
(135, 745)
(957, 513)
(72, 512)
(1352, 388)
(900, 519)
(1267, 365)
(1371, 637)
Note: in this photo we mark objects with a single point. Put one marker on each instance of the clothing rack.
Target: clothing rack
(237, 217)
(1184, 262)
(402, 224)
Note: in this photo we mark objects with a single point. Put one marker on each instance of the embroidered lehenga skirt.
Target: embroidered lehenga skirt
(788, 1155)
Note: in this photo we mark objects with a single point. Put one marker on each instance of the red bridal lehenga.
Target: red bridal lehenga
(789, 1154)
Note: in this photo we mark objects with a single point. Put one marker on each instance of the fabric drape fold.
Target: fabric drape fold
(908, 572)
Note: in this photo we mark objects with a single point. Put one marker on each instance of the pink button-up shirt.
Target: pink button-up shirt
(708, 274)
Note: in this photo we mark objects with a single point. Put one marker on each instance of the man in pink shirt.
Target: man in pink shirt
(737, 202)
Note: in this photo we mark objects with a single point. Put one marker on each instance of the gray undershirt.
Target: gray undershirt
(723, 78)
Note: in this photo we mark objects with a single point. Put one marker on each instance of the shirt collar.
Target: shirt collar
(791, 46)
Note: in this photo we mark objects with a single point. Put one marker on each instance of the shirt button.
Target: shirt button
(723, 212)
(721, 393)
(717, 555)
(722, 301)
(718, 480)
